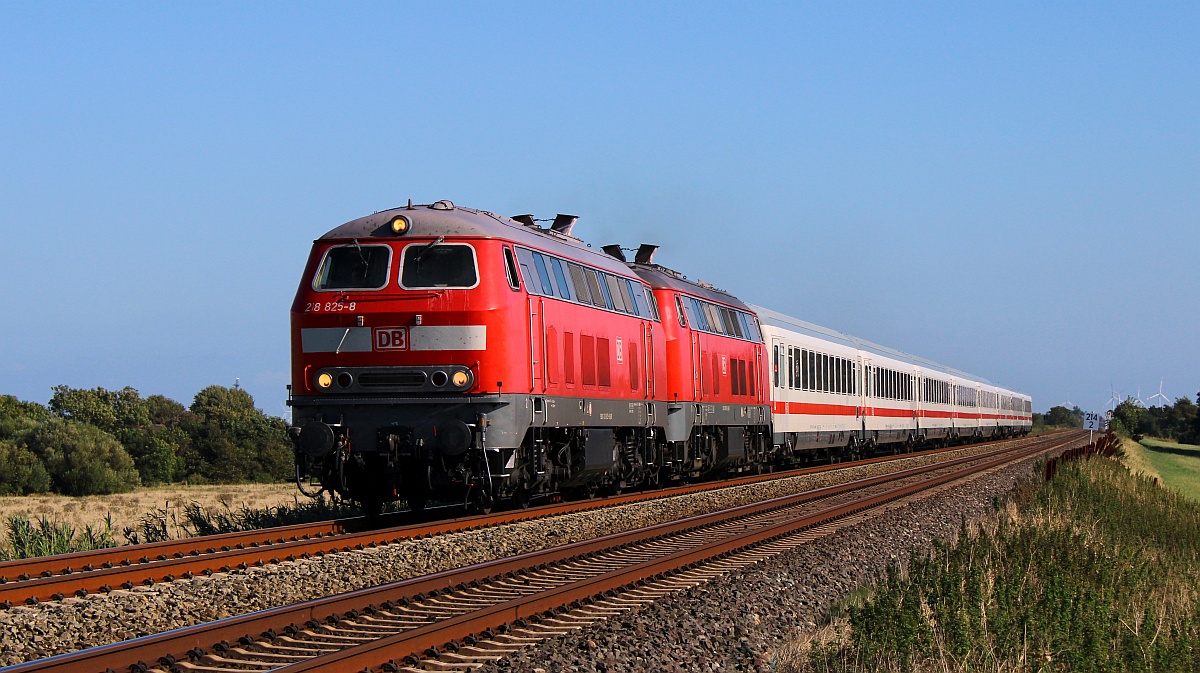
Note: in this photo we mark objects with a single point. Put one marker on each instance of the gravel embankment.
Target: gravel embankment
(737, 621)
(31, 632)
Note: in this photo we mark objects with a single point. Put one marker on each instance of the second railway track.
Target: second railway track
(392, 626)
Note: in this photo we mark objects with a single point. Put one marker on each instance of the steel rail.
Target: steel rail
(81, 573)
(174, 646)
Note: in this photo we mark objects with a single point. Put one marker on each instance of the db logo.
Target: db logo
(391, 338)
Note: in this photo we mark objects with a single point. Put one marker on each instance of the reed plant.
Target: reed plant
(42, 536)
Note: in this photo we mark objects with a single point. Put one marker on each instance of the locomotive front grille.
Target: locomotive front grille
(401, 379)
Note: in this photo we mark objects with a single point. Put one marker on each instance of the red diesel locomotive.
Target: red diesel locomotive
(450, 353)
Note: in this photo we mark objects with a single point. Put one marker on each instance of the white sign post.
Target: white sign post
(1093, 422)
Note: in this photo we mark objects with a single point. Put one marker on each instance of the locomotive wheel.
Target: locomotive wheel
(371, 507)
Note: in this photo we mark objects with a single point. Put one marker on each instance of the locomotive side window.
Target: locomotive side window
(354, 267)
(593, 285)
(510, 267)
(564, 288)
(652, 303)
(614, 291)
(539, 261)
(438, 265)
(581, 288)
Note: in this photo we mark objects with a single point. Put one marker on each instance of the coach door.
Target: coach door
(864, 393)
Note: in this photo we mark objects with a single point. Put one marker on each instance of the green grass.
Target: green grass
(1178, 464)
(1099, 570)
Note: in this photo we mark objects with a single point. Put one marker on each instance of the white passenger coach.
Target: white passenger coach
(836, 394)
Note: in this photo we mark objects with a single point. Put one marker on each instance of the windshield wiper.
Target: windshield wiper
(422, 251)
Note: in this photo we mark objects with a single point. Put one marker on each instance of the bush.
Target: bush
(18, 418)
(83, 459)
(233, 441)
(21, 473)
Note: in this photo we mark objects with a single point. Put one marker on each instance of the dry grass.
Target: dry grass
(128, 509)
(1136, 460)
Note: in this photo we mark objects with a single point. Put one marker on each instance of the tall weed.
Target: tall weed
(1097, 570)
(29, 538)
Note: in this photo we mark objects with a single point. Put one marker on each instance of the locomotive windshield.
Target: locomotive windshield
(436, 266)
(354, 267)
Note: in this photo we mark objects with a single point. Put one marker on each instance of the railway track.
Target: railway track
(487, 610)
(29, 581)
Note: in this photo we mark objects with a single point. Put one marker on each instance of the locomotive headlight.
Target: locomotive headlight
(324, 380)
(400, 225)
(459, 379)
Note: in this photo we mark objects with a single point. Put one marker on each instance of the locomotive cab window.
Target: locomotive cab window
(354, 267)
(436, 265)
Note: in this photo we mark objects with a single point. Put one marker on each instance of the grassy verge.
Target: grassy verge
(1178, 465)
(46, 525)
(1098, 570)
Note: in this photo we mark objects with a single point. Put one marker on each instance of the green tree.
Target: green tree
(1064, 417)
(18, 418)
(233, 441)
(1127, 418)
(21, 473)
(82, 459)
(109, 410)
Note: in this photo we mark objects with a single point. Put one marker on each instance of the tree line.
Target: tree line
(1179, 422)
(96, 441)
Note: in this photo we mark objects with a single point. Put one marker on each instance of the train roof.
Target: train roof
(443, 218)
(769, 317)
(662, 277)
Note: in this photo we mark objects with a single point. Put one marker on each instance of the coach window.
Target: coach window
(510, 266)
(775, 364)
(797, 369)
(791, 361)
(436, 265)
(354, 267)
(804, 370)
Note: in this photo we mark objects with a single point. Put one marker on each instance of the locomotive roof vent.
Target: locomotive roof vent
(526, 220)
(615, 251)
(444, 204)
(645, 254)
(564, 223)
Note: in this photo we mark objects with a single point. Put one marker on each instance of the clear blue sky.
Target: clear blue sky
(1009, 188)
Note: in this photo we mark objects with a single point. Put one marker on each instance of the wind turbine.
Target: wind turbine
(1115, 400)
(1165, 401)
(1138, 399)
